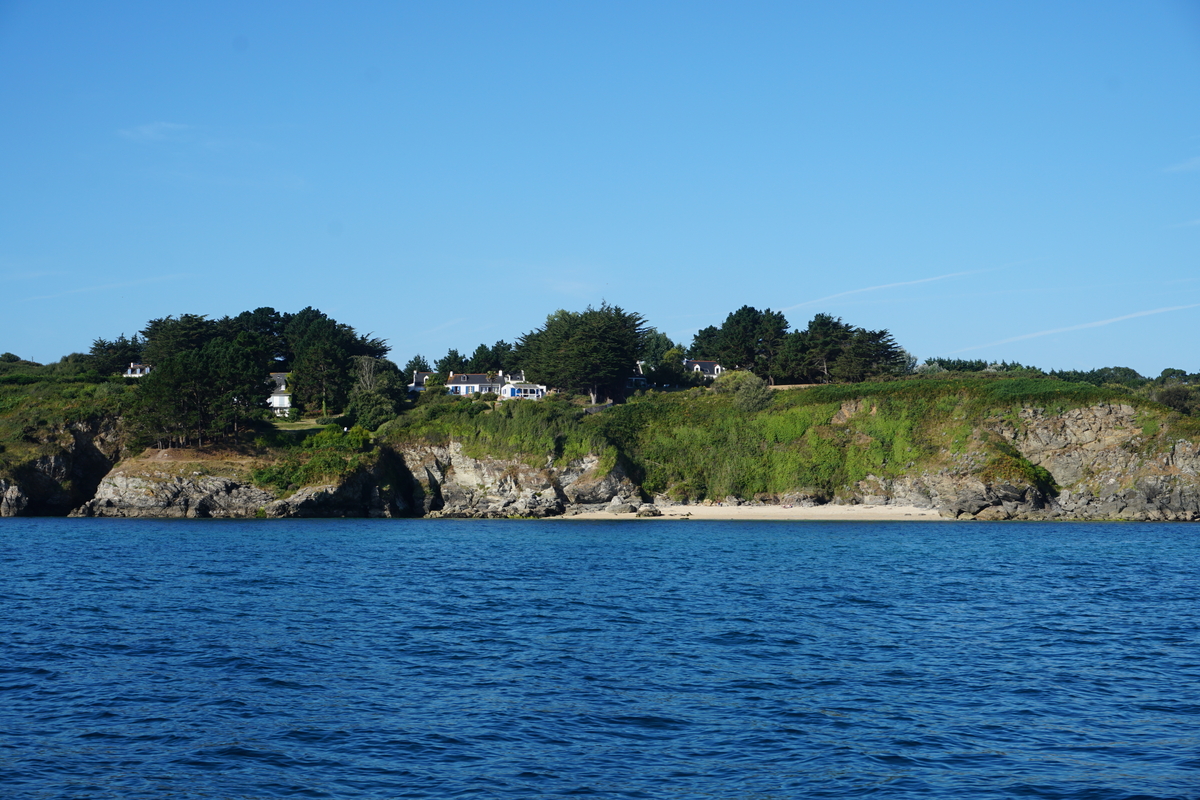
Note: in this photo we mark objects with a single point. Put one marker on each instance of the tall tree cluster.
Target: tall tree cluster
(210, 378)
(827, 350)
(593, 351)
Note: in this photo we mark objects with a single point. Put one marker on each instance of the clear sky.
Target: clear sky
(1016, 180)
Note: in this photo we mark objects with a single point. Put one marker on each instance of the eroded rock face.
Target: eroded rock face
(1105, 464)
(425, 480)
(55, 483)
(448, 483)
(160, 494)
(142, 490)
(12, 500)
(1096, 455)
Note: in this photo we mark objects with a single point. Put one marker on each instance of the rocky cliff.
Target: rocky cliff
(1105, 461)
(446, 482)
(72, 462)
(419, 480)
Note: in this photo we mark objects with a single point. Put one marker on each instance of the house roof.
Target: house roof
(471, 377)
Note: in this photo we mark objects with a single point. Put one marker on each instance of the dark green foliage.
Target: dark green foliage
(36, 415)
(706, 344)
(521, 429)
(210, 378)
(490, 360)
(670, 370)
(832, 350)
(112, 357)
(708, 446)
(416, 364)
(1179, 397)
(327, 457)
(1119, 376)
(267, 324)
(322, 349)
(593, 351)
(656, 347)
(378, 391)
(168, 336)
(9, 358)
(750, 340)
(195, 395)
(453, 361)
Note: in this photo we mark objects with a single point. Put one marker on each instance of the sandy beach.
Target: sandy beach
(782, 513)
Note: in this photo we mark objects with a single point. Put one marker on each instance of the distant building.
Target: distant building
(137, 370)
(637, 378)
(419, 378)
(280, 401)
(474, 383)
(709, 369)
(517, 388)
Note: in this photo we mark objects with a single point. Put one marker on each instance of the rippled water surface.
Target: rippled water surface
(645, 658)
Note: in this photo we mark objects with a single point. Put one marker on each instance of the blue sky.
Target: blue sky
(1015, 181)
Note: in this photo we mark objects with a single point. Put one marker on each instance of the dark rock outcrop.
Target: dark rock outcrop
(78, 458)
(446, 482)
(1099, 457)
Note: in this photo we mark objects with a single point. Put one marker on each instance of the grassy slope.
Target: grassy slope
(700, 445)
(693, 443)
(529, 431)
(35, 418)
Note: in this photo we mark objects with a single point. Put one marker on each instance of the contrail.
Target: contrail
(882, 286)
(1078, 327)
(106, 286)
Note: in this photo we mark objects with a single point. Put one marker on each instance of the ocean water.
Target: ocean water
(633, 658)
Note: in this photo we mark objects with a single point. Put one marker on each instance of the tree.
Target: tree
(168, 336)
(750, 392)
(453, 361)
(378, 389)
(830, 349)
(480, 360)
(416, 364)
(657, 345)
(594, 350)
(321, 376)
(705, 344)
(669, 371)
(321, 351)
(196, 394)
(749, 339)
(111, 357)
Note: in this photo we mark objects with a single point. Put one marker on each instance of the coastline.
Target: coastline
(824, 513)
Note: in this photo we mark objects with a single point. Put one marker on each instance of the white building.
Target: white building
(280, 401)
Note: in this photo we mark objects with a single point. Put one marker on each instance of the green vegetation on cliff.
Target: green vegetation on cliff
(823, 439)
(36, 415)
(526, 430)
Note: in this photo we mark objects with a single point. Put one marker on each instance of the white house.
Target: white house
(280, 401)
(474, 383)
(709, 369)
(519, 389)
(137, 370)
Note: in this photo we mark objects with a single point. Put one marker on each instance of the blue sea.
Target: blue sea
(623, 659)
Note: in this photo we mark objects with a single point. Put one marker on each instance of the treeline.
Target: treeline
(825, 351)
(595, 351)
(211, 378)
(1175, 388)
